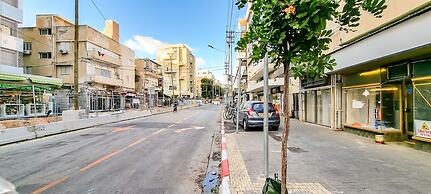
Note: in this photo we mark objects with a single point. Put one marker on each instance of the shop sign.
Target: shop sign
(423, 128)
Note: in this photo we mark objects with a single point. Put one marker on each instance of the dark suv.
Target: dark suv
(251, 115)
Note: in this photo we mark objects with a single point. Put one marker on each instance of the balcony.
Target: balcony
(258, 87)
(11, 42)
(256, 71)
(103, 58)
(11, 12)
(106, 80)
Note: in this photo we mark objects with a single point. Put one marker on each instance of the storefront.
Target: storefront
(372, 100)
(23, 95)
(317, 101)
(422, 100)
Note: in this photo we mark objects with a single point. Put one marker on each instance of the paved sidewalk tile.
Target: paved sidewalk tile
(240, 181)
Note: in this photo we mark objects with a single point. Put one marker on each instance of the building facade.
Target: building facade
(21, 95)
(106, 67)
(11, 16)
(381, 82)
(179, 70)
(148, 80)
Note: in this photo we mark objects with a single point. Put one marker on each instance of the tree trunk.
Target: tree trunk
(286, 129)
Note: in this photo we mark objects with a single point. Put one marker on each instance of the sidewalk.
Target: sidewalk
(322, 160)
(29, 132)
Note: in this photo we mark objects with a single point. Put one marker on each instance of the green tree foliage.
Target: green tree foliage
(294, 32)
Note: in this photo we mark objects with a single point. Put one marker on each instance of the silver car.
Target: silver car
(251, 115)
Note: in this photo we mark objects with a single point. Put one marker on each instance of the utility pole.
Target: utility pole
(76, 57)
(172, 77)
(230, 41)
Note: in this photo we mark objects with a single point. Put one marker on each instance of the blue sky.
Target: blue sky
(148, 24)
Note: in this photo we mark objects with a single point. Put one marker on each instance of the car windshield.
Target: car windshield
(258, 107)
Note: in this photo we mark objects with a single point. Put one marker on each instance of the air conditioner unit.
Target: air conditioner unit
(64, 51)
(27, 52)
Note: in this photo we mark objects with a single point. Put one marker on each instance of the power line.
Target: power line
(98, 10)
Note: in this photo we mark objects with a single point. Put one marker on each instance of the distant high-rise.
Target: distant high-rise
(179, 67)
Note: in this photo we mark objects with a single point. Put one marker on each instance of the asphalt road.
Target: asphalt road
(159, 154)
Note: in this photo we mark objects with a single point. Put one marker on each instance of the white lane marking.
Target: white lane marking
(188, 128)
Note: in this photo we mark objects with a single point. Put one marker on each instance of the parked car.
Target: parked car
(7, 187)
(251, 115)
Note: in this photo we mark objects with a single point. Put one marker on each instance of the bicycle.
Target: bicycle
(229, 111)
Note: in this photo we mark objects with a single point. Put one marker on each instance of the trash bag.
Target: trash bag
(272, 186)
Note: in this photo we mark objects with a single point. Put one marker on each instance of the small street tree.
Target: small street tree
(206, 87)
(294, 34)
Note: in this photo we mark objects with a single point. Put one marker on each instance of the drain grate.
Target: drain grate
(296, 150)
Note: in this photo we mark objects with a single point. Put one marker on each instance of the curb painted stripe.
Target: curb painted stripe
(225, 189)
(223, 155)
(224, 168)
(225, 185)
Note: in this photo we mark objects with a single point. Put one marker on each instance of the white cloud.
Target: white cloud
(145, 44)
(200, 62)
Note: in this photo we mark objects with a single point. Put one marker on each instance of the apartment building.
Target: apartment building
(148, 80)
(179, 70)
(106, 67)
(10, 42)
(381, 84)
(252, 75)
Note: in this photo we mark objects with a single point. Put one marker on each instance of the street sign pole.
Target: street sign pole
(238, 101)
(265, 113)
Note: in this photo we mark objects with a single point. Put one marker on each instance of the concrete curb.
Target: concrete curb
(19, 134)
(225, 189)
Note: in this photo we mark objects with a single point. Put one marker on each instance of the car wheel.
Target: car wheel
(274, 128)
(245, 125)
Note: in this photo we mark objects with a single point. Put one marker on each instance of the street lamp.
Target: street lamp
(215, 48)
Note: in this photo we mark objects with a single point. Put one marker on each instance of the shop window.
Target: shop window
(397, 71)
(362, 107)
(376, 108)
(310, 106)
(390, 101)
(422, 108)
(324, 107)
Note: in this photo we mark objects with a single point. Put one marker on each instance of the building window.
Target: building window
(45, 31)
(27, 70)
(45, 55)
(103, 72)
(65, 70)
(27, 46)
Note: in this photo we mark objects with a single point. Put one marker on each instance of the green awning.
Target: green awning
(8, 77)
(25, 88)
(45, 80)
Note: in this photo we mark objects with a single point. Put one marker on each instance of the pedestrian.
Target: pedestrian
(175, 106)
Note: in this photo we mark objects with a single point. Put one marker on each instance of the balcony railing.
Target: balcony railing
(101, 57)
(106, 80)
(11, 42)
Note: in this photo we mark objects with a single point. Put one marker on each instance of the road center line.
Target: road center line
(120, 129)
(50, 185)
(100, 160)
